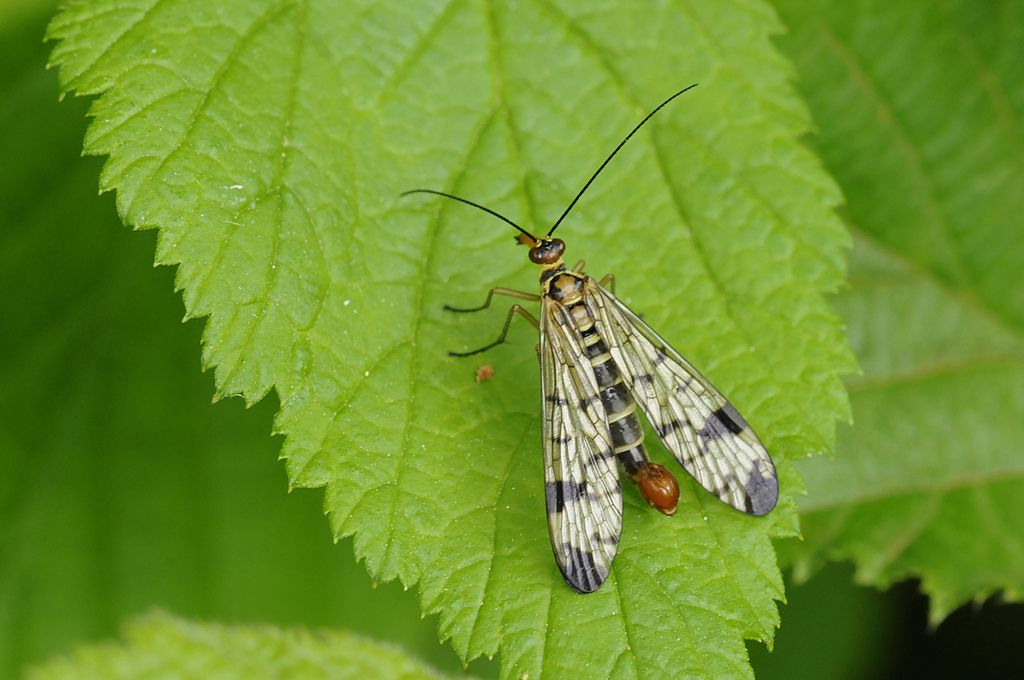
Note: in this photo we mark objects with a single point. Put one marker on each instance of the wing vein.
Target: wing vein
(584, 500)
(696, 423)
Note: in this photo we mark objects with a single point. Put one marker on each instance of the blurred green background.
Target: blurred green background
(123, 489)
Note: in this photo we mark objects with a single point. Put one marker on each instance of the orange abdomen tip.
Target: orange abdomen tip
(659, 487)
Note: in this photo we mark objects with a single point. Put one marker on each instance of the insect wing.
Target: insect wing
(584, 499)
(696, 423)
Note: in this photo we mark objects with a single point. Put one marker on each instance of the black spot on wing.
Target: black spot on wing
(587, 402)
(580, 569)
(734, 416)
(557, 400)
(596, 458)
(670, 426)
(762, 491)
(682, 389)
(559, 493)
(643, 379)
(611, 539)
(722, 422)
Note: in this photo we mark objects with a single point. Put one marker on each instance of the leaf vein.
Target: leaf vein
(281, 161)
(676, 199)
(922, 272)
(416, 52)
(117, 39)
(626, 628)
(475, 139)
(993, 86)
(936, 369)
(504, 477)
(229, 61)
(871, 87)
(952, 483)
(902, 541)
(1000, 528)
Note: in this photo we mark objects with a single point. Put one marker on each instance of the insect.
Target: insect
(600, 362)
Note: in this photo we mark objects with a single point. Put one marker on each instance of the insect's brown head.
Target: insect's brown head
(547, 251)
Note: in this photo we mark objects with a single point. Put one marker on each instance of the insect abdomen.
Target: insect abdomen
(657, 484)
(623, 424)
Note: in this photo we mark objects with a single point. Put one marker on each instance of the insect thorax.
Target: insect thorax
(562, 286)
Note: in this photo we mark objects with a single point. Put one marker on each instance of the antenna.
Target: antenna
(612, 155)
(475, 205)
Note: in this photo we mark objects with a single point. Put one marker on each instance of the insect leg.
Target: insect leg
(516, 309)
(578, 267)
(490, 294)
(608, 282)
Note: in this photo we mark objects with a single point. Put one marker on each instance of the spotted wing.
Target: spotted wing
(702, 430)
(584, 499)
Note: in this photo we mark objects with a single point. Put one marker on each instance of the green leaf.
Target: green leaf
(269, 142)
(930, 481)
(160, 645)
(121, 487)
